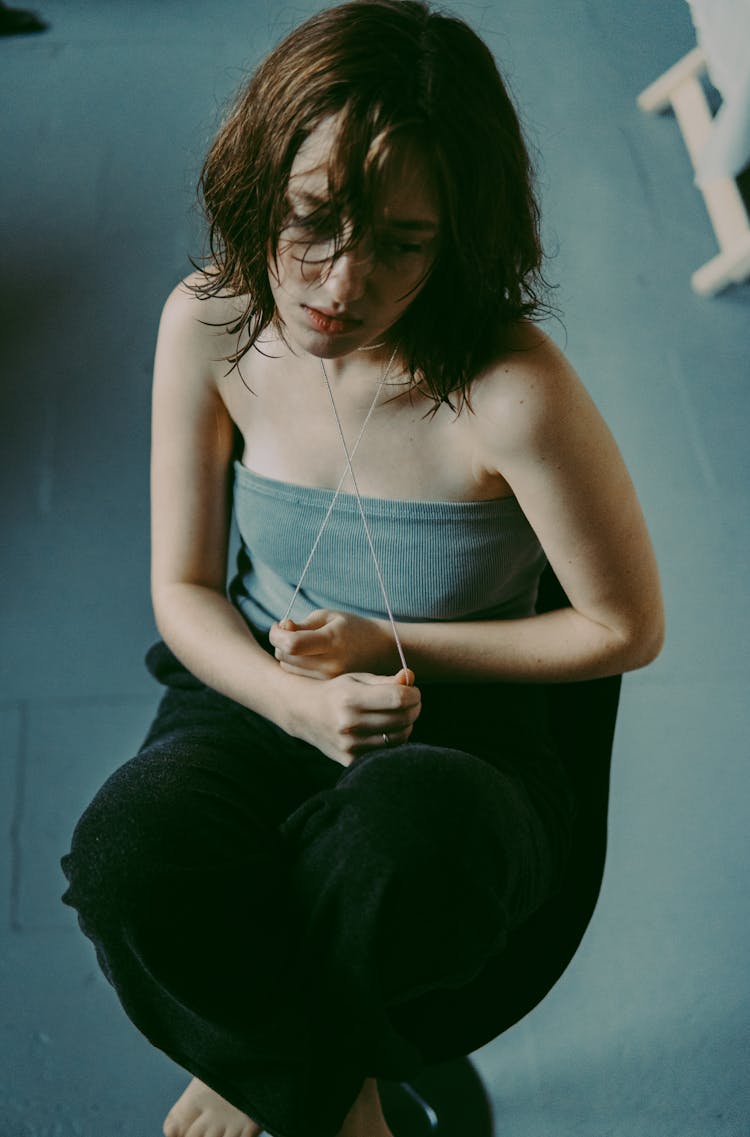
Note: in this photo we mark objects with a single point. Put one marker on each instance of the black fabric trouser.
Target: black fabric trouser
(276, 922)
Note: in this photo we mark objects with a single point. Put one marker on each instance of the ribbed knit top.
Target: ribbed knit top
(441, 560)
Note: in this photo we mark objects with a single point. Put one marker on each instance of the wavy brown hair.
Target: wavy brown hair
(395, 72)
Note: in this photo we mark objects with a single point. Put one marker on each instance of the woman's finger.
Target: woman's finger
(384, 740)
(299, 643)
(317, 619)
(372, 723)
(383, 692)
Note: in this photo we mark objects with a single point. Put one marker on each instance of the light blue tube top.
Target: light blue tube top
(441, 560)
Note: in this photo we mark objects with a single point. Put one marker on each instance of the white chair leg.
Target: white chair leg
(658, 95)
(729, 267)
(680, 87)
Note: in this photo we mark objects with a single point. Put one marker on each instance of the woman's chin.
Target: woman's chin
(333, 346)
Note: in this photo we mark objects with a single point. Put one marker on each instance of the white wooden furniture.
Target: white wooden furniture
(723, 28)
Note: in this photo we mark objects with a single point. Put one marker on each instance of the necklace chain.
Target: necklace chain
(349, 469)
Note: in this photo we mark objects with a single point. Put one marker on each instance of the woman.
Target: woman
(311, 841)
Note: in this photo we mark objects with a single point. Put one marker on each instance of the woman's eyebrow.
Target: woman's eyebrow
(422, 224)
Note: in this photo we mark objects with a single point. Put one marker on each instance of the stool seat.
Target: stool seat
(445, 1100)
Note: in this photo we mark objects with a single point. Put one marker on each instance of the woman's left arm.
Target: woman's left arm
(537, 426)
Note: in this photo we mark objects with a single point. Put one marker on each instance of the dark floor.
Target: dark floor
(105, 119)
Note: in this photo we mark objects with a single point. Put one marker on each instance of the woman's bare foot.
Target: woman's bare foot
(201, 1112)
(365, 1118)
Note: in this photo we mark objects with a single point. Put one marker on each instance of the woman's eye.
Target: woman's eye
(311, 225)
(319, 227)
(393, 247)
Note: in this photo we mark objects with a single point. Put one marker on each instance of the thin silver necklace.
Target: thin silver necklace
(349, 469)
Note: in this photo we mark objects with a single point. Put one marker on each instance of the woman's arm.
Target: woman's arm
(537, 427)
(541, 430)
(192, 443)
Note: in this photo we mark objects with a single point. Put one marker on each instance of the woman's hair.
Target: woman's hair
(395, 73)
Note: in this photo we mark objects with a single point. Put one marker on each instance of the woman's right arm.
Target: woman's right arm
(191, 462)
(191, 453)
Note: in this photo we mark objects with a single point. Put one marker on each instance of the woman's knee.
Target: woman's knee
(411, 859)
(436, 786)
(167, 829)
(116, 838)
(415, 805)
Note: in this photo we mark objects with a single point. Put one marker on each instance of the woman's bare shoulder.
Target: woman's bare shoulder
(196, 309)
(528, 384)
(195, 331)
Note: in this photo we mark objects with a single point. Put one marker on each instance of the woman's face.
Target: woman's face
(332, 305)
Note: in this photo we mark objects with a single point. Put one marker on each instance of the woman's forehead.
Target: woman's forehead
(405, 188)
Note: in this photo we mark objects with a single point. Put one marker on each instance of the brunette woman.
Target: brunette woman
(349, 800)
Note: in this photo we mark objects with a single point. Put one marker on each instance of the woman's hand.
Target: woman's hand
(351, 714)
(327, 644)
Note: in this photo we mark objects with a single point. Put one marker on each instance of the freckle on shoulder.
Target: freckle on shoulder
(525, 385)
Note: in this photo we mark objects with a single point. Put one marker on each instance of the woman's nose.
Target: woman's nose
(347, 276)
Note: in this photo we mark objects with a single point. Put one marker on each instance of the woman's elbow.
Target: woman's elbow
(645, 642)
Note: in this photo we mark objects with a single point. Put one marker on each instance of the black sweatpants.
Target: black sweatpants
(279, 924)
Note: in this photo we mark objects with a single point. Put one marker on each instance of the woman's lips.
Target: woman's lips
(330, 324)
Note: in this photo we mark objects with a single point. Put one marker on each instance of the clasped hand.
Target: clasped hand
(327, 644)
(359, 706)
